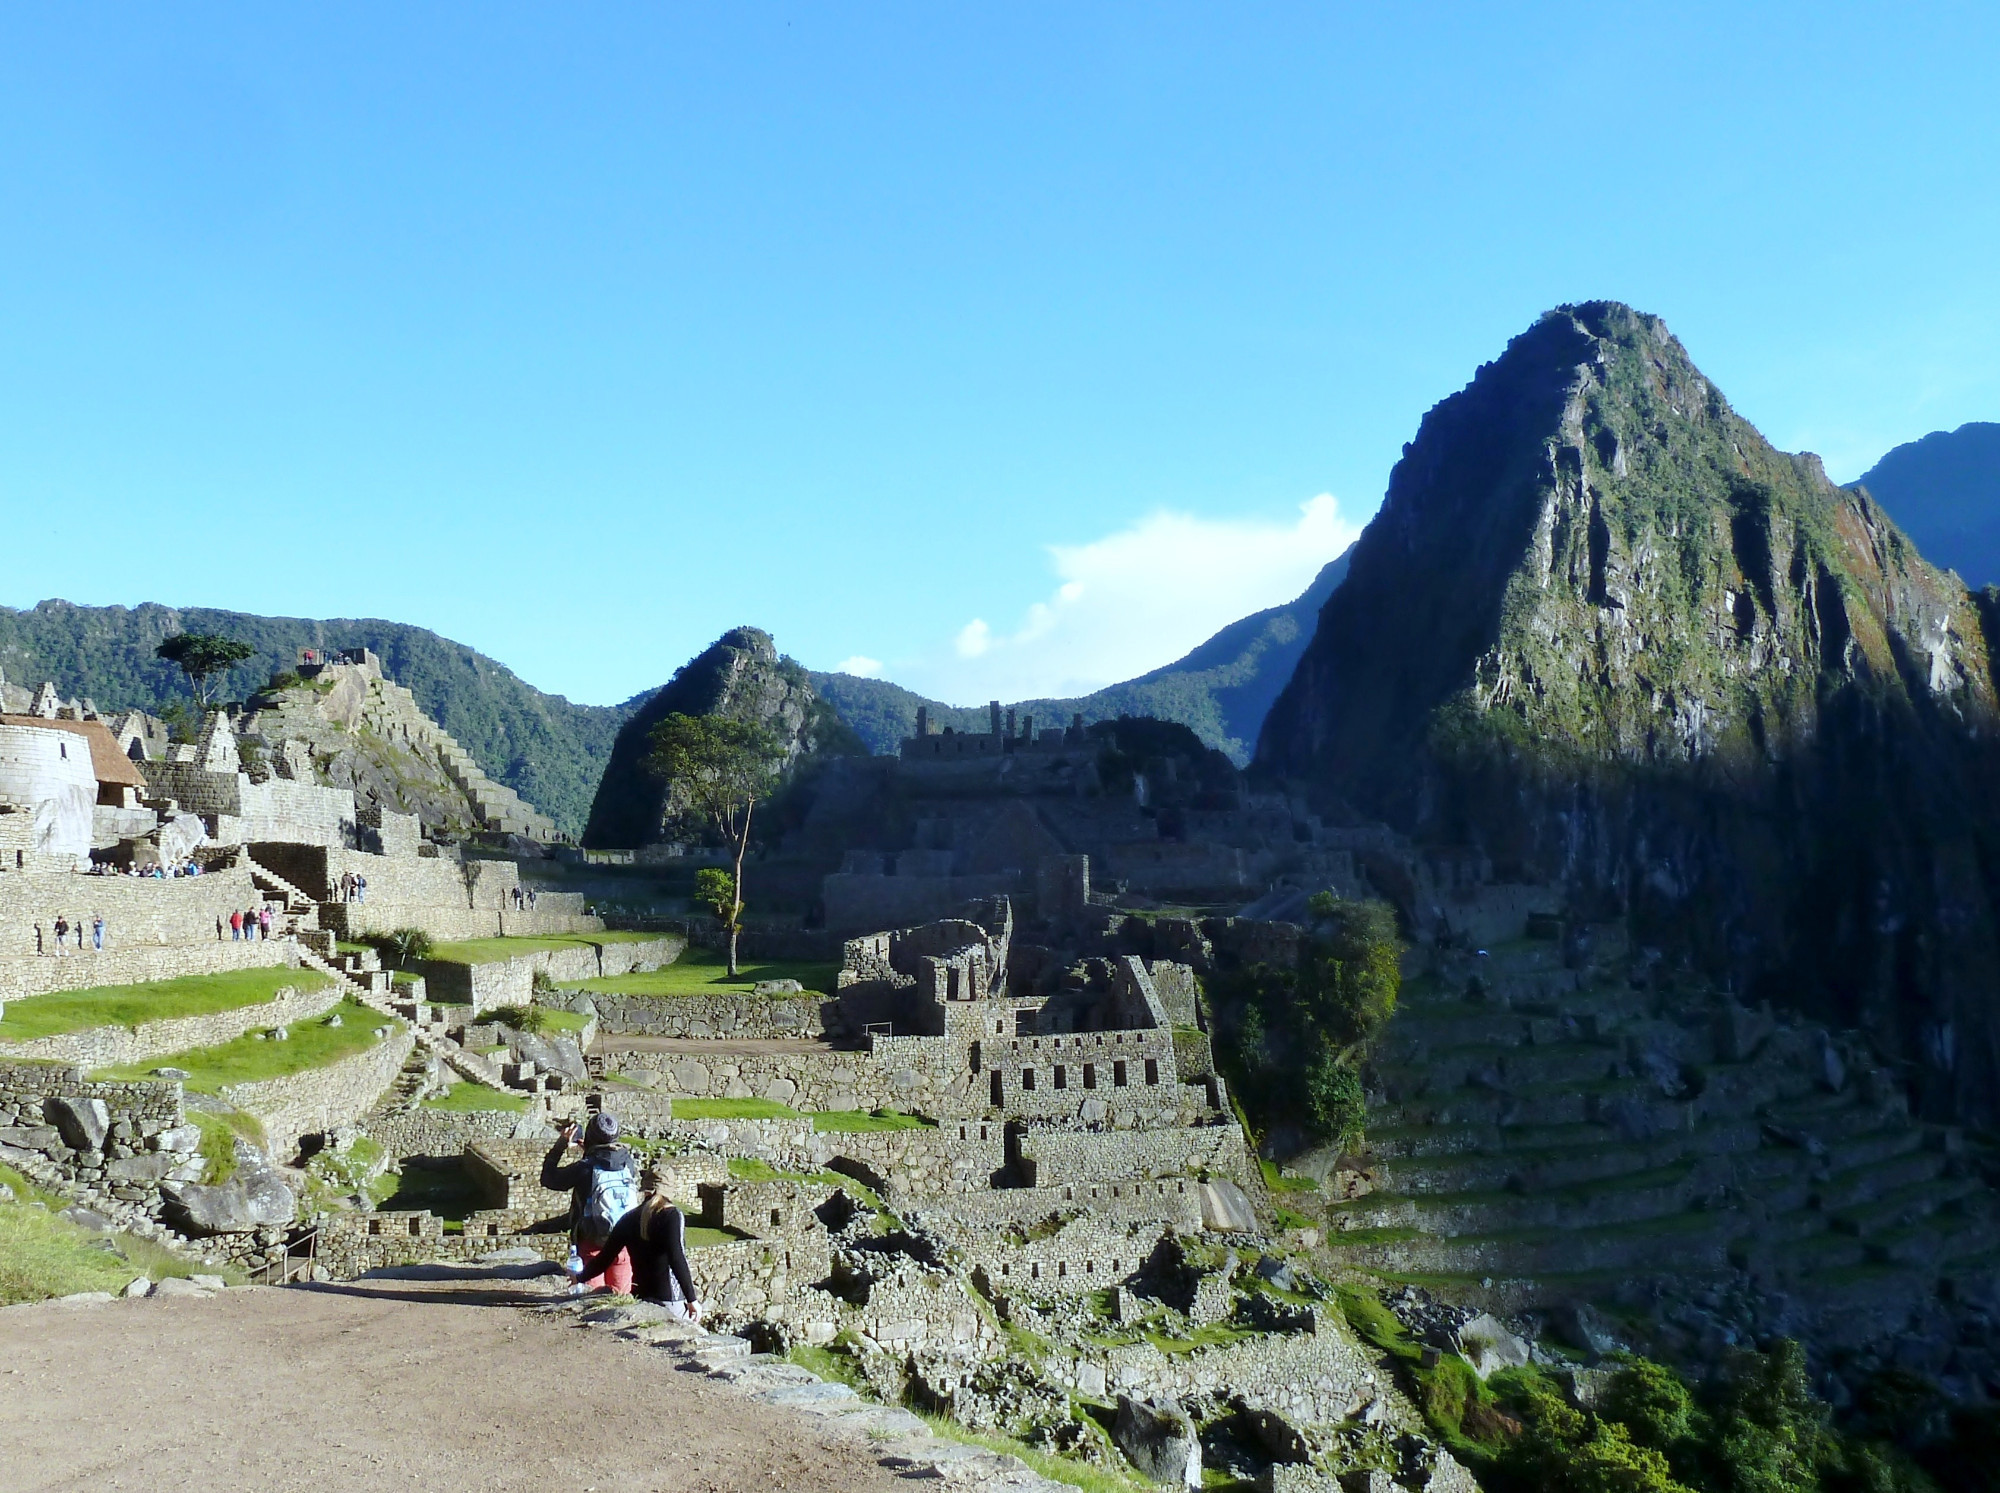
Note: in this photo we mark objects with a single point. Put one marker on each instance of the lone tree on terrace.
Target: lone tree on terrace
(717, 768)
(201, 654)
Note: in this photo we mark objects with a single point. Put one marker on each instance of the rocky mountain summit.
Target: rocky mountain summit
(740, 675)
(1603, 634)
(1945, 491)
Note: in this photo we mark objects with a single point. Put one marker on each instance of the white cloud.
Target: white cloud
(1132, 601)
(861, 666)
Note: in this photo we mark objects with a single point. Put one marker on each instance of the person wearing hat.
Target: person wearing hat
(654, 1237)
(600, 1191)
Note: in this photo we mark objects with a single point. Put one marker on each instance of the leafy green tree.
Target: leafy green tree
(1652, 1403)
(201, 654)
(715, 889)
(718, 768)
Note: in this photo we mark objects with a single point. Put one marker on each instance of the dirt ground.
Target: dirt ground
(713, 1047)
(399, 1384)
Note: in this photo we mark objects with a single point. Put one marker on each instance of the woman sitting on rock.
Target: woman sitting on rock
(654, 1235)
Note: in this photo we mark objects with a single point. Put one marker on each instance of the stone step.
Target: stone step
(1859, 1185)
(1678, 1242)
(1506, 1067)
(1567, 1157)
(1933, 1243)
(1891, 1210)
(1626, 1199)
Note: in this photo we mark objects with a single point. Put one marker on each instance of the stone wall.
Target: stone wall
(137, 911)
(145, 1135)
(114, 1046)
(137, 965)
(1087, 1253)
(829, 1079)
(857, 903)
(1059, 1158)
(511, 982)
(439, 1134)
(317, 1099)
(1175, 1201)
(702, 1016)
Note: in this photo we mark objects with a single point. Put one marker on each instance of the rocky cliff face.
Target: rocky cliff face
(740, 675)
(1602, 632)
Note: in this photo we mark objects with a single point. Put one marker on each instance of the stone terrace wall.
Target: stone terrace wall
(445, 1133)
(1059, 1158)
(137, 910)
(1321, 1377)
(133, 1156)
(113, 1046)
(703, 1016)
(1169, 1200)
(828, 1079)
(322, 1098)
(511, 982)
(138, 965)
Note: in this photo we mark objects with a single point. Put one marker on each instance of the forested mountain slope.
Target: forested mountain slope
(546, 749)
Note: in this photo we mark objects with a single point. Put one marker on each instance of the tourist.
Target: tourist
(654, 1237)
(601, 1193)
(360, 888)
(264, 920)
(62, 936)
(236, 927)
(531, 899)
(97, 931)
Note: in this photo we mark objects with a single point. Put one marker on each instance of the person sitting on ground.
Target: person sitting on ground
(654, 1235)
(601, 1193)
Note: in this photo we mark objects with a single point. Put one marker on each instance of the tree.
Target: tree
(716, 768)
(406, 944)
(201, 654)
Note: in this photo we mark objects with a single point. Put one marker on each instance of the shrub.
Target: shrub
(406, 944)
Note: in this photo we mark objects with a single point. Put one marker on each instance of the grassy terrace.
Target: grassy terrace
(702, 972)
(499, 950)
(826, 1121)
(42, 1255)
(128, 1006)
(475, 1098)
(312, 1044)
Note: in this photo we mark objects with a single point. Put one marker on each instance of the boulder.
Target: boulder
(1583, 1326)
(42, 1138)
(1225, 1209)
(83, 1122)
(137, 1288)
(86, 1218)
(182, 1138)
(550, 1055)
(209, 1282)
(151, 1166)
(174, 1285)
(1278, 1273)
(1159, 1439)
(256, 1197)
(778, 987)
(170, 1073)
(1489, 1347)
(7, 1194)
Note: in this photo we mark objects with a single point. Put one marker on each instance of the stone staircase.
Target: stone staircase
(297, 915)
(499, 808)
(1543, 1134)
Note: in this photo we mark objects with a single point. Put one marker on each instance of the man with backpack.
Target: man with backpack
(654, 1237)
(601, 1192)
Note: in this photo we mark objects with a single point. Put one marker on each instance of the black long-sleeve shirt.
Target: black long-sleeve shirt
(659, 1263)
(574, 1178)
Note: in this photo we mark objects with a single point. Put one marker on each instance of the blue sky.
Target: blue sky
(1011, 348)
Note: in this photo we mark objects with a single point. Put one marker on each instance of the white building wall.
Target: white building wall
(49, 773)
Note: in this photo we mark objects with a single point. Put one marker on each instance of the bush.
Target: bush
(405, 945)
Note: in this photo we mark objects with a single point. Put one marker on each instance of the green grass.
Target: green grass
(1085, 1475)
(129, 1005)
(703, 972)
(475, 1098)
(837, 1368)
(1278, 1182)
(1214, 1335)
(500, 950)
(42, 1255)
(313, 1044)
(860, 1121)
(218, 1141)
(734, 1109)
(553, 1021)
(699, 1236)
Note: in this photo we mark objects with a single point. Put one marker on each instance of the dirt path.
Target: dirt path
(399, 1385)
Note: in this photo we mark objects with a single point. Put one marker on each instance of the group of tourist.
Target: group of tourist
(189, 867)
(524, 899)
(353, 887)
(63, 928)
(634, 1237)
(250, 926)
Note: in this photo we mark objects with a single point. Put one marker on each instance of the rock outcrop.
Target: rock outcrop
(1602, 633)
(742, 676)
